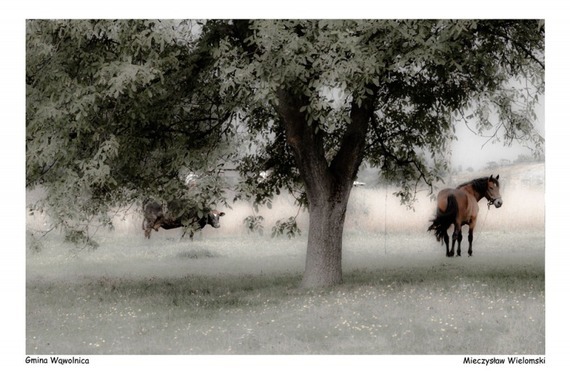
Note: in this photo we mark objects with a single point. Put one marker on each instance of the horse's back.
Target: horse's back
(466, 203)
(443, 197)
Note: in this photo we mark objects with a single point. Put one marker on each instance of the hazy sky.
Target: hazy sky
(471, 151)
(474, 151)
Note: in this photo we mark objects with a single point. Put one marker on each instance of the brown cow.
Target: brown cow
(176, 216)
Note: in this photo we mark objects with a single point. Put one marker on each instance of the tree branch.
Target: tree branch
(517, 44)
(349, 157)
(306, 142)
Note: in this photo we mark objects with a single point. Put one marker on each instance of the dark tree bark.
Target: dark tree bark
(328, 186)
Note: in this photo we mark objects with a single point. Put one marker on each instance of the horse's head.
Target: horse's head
(493, 193)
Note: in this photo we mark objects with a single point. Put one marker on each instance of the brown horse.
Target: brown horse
(459, 206)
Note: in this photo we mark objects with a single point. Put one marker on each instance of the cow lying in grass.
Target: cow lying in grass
(177, 216)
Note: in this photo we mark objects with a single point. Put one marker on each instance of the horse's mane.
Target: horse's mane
(479, 184)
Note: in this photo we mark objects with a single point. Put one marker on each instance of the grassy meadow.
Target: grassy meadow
(231, 292)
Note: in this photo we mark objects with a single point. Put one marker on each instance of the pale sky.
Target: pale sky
(474, 151)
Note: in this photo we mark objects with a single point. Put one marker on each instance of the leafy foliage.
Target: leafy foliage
(115, 111)
(254, 223)
(286, 227)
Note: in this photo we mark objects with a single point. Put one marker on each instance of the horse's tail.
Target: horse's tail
(444, 219)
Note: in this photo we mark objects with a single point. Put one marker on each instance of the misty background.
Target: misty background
(476, 151)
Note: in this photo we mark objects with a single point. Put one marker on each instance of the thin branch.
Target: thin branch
(44, 172)
(520, 46)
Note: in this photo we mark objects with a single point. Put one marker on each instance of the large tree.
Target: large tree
(336, 92)
(314, 97)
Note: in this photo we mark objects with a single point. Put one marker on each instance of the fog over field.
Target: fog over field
(230, 291)
(373, 208)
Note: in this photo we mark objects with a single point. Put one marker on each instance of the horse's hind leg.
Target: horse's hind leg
(455, 237)
(459, 238)
(446, 240)
(451, 252)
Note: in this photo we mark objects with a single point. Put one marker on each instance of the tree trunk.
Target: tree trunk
(327, 185)
(323, 266)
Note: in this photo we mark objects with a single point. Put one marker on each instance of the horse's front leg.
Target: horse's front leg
(470, 236)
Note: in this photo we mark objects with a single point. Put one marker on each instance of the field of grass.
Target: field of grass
(230, 292)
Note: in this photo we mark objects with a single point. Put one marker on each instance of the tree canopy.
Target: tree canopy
(115, 110)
